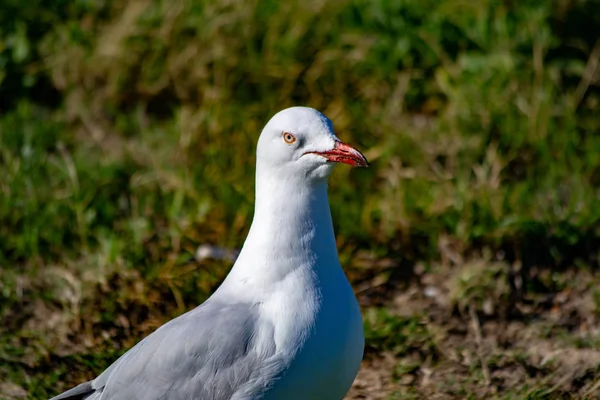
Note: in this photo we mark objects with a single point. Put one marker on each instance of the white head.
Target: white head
(300, 142)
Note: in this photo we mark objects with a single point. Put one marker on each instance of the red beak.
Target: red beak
(344, 153)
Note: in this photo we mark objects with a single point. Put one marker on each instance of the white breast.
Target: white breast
(324, 326)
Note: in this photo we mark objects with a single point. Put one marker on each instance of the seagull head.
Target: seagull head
(300, 141)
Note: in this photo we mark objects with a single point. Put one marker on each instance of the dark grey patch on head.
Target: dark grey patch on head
(326, 121)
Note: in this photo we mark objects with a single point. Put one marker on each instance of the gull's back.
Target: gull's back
(190, 357)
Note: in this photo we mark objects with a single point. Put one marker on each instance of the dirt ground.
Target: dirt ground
(491, 345)
(465, 331)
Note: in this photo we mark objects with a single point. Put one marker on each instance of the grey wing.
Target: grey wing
(216, 351)
(79, 392)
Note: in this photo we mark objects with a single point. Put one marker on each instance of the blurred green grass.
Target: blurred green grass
(127, 134)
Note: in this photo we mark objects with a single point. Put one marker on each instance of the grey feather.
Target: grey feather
(190, 357)
(79, 392)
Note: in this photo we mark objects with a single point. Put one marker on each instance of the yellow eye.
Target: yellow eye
(288, 138)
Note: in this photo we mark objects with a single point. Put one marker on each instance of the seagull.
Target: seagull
(285, 323)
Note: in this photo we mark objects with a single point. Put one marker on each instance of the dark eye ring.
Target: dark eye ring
(288, 138)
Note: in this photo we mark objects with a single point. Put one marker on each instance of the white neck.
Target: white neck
(291, 232)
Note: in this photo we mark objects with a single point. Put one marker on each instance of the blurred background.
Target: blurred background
(127, 139)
